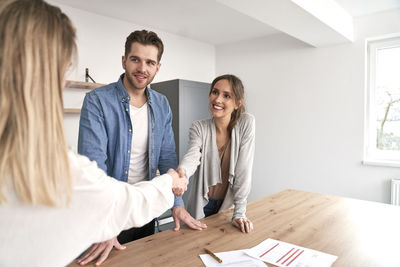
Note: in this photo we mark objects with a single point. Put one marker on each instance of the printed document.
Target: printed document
(284, 254)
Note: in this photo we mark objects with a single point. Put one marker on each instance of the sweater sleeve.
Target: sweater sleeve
(244, 166)
(117, 205)
(193, 155)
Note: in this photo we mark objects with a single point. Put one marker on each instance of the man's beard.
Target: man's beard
(133, 84)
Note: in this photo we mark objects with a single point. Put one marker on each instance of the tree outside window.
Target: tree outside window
(388, 98)
(383, 102)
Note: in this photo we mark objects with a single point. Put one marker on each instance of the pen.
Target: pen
(213, 255)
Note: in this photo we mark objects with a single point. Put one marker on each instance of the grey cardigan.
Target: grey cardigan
(202, 159)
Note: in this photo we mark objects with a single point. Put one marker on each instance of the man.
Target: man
(126, 128)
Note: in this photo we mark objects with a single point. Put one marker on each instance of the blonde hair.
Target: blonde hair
(37, 42)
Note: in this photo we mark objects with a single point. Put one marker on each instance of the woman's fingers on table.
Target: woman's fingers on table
(245, 225)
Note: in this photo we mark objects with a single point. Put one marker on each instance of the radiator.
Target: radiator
(395, 197)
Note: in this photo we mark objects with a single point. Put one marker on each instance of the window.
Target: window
(382, 131)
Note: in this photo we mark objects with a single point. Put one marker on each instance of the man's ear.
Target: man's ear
(123, 62)
(158, 67)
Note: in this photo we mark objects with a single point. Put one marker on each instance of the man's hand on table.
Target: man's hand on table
(180, 214)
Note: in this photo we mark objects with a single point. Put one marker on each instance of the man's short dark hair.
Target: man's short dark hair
(144, 37)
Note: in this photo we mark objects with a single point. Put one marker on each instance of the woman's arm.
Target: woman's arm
(243, 170)
(116, 205)
(192, 157)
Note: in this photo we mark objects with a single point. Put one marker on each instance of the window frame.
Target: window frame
(373, 156)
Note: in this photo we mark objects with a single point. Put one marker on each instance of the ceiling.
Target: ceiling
(210, 21)
(358, 8)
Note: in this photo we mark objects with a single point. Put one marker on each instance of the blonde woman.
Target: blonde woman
(220, 155)
(54, 203)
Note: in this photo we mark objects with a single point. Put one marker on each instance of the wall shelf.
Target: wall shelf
(79, 85)
(72, 110)
(82, 85)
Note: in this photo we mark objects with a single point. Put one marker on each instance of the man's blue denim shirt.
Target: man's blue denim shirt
(105, 131)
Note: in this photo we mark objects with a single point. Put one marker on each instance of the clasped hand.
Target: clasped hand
(179, 183)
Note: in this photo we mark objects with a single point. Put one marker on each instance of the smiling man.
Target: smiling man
(126, 128)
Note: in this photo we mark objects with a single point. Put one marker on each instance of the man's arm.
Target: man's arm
(167, 157)
(93, 139)
(168, 160)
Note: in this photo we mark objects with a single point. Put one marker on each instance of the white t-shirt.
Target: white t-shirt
(101, 208)
(138, 166)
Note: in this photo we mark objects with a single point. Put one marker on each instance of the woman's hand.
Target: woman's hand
(179, 184)
(100, 251)
(245, 225)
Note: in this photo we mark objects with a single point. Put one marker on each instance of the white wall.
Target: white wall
(101, 42)
(308, 102)
(309, 108)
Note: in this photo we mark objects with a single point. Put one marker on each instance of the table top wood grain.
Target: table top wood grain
(360, 233)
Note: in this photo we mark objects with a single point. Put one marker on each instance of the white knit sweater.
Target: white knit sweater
(203, 162)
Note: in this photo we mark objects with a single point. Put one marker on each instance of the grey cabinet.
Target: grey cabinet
(189, 102)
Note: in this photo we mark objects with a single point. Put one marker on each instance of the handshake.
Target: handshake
(179, 181)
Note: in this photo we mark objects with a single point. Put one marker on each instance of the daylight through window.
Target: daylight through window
(382, 144)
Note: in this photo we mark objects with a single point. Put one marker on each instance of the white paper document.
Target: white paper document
(284, 254)
(234, 258)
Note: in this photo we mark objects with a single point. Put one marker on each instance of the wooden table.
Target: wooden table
(360, 233)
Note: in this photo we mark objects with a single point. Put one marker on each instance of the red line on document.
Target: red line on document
(295, 258)
(285, 255)
(290, 256)
(269, 250)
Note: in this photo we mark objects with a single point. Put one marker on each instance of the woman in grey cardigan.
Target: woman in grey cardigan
(220, 155)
